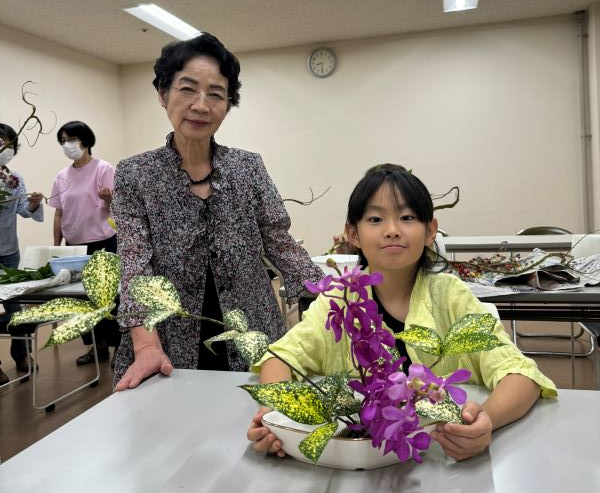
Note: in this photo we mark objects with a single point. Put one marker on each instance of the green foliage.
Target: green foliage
(101, 277)
(446, 411)
(236, 319)
(423, 338)
(313, 445)
(469, 334)
(251, 345)
(12, 274)
(157, 294)
(296, 400)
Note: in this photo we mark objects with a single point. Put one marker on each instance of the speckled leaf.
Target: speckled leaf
(229, 335)
(56, 309)
(156, 293)
(101, 277)
(76, 326)
(471, 343)
(313, 445)
(340, 400)
(471, 333)
(236, 319)
(423, 338)
(155, 317)
(251, 345)
(296, 400)
(446, 412)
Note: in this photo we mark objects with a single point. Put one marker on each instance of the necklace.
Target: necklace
(203, 180)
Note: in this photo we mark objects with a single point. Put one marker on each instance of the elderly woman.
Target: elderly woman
(200, 214)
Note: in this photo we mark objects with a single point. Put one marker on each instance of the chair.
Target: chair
(552, 230)
(35, 257)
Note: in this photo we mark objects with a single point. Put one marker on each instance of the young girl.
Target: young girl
(390, 220)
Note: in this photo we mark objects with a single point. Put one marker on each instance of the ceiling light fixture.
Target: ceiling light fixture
(457, 5)
(163, 20)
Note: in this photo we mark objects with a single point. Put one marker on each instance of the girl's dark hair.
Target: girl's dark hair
(175, 55)
(8, 135)
(81, 131)
(414, 193)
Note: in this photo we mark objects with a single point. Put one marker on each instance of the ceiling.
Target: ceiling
(101, 28)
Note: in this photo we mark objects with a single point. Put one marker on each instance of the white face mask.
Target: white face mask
(6, 156)
(72, 150)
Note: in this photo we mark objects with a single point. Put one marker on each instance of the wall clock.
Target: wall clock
(321, 62)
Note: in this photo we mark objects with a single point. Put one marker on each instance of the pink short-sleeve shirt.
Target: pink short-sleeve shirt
(84, 213)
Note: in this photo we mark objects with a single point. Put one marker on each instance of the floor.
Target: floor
(21, 425)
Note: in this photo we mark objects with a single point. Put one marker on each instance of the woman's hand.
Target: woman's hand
(264, 440)
(463, 441)
(106, 195)
(35, 199)
(148, 361)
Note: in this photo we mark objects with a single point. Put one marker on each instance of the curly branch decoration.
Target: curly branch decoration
(450, 205)
(32, 121)
(312, 197)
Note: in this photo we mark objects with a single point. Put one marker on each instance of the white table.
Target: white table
(507, 243)
(186, 433)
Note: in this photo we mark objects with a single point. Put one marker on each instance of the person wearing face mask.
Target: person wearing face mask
(81, 196)
(15, 201)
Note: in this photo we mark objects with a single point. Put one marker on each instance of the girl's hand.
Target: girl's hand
(148, 361)
(264, 441)
(463, 441)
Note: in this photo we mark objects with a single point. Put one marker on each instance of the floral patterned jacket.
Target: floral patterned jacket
(164, 229)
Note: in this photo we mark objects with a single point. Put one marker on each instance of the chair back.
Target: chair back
(585, 245)
(544, 230)
(35, 257)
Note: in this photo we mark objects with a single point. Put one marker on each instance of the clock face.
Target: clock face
(321, 62)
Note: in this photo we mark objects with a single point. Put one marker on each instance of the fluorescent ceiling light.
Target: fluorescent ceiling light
(456, 5)
(163, 20)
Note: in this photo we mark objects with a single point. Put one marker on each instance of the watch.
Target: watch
(321, 62)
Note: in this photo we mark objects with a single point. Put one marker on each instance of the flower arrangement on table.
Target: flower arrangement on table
(392, 400)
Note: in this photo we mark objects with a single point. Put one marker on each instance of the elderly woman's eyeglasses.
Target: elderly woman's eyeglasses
(214, 97)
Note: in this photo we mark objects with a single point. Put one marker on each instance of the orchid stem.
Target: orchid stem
(304, 377)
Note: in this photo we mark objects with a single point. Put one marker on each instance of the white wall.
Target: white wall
(594, 65)
(69, 86)
(493, 109)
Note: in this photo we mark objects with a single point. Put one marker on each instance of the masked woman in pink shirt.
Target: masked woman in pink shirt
(81, 195)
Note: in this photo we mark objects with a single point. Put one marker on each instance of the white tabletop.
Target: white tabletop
(514, 243)
(186, 433)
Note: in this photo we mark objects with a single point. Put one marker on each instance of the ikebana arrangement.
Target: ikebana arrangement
(392, 398)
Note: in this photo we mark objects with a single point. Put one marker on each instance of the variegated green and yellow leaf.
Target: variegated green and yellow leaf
(313, 445)
(339, 400)
(447, 411)
(154, 317)
(296, 400)
(423, 338)
(56, 309)
(236, 320)
(156, 293)
(471, 323)
(229, 335)
(471, 333)
(251, 345)
(101, 277)
(76, 326)
(471, 342)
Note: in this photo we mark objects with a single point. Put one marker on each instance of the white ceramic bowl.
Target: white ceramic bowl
(341, 261)
(341, 453)
(75, 263)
